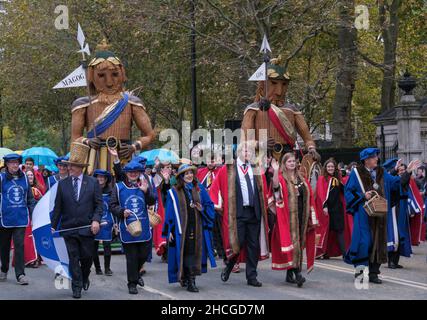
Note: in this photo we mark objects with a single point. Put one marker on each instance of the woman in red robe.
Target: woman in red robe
(334, 231)
(162, 183)
(296, 220)
(30, 253)
(416, 214)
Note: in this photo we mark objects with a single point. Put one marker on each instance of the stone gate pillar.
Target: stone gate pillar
(408, 116)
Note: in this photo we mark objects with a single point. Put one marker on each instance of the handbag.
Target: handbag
(154, 218)
(377, 205)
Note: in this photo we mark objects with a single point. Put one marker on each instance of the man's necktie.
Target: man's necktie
(209, 180)
(249, 184)
(76, 189)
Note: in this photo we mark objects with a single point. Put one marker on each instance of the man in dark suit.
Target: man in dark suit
(237, 193)
(78, 204)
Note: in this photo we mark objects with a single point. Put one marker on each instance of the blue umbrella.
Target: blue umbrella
(41, 155)
(163, 155)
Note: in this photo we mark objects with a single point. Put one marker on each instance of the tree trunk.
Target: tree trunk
(389, 30)
(346, 76)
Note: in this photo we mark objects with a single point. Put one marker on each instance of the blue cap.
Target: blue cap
(59, 160)
(133, 166)
(105, 173)
(184, 168)
(369, 153)
(12, 156)
(142, 161)
(390, 163)
(99, 172)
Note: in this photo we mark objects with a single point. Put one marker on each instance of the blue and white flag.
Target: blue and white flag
(52, 249)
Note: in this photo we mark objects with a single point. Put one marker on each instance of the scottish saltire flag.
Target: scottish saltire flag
(51, 249)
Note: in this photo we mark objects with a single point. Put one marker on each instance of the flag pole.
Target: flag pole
(78, 228)
(265, 47)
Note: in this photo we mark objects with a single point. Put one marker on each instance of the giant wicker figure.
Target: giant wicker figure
(108, 114)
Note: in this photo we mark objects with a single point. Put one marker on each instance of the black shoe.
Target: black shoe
(133, 289)
(86, 284)
(391, 265)
(141, 281)
(99, 272)
(192, 285)
(108, 272)
(254, 283)
(225, 274)
(398, 266)
(375, 280)
(290, 276)
(77, 293)
(299, 279)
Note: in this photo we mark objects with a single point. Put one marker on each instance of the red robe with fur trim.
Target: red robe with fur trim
(223, 195)
(328, 242)
(416, 223)
(282, 245)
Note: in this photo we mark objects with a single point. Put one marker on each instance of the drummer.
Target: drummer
(129, 201)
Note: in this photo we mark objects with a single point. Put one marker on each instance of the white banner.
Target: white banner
(76, 79)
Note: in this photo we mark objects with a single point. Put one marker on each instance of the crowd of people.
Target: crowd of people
(256, 207)
(232, 212)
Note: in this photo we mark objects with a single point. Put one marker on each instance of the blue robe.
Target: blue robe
(362, 242)
(172, 224)
(400, 237)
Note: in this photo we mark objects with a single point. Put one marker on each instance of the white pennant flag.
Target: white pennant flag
(77, 78)
(265, 46)
(80, 36)
(259, 75)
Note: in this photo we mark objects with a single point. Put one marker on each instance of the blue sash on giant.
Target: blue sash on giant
(14, 210)
(106, 231)
(134, 200)
(110, 118)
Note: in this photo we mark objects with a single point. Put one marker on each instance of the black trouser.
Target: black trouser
(248, 234)
(394, 257)
(80, 249)
(107, 254)
(374, 269)
(6, 235)
(136, 255)
(341, 242)
(217, 236)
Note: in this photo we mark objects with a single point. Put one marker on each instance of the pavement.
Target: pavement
(330, 279)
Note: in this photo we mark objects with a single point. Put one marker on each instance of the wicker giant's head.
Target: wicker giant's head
(278, 82)
(106, 73)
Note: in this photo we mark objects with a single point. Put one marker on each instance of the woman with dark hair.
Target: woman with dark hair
(188, 223)
(296, 220)
(335, 227)
(105, 234)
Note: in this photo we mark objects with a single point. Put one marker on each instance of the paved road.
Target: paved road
(331, 279)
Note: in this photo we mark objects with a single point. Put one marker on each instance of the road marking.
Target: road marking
(152, 290)
(404, 282)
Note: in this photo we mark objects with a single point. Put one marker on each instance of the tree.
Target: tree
(342, 132)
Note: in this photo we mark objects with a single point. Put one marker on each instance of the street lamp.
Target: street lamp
(193, 65)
